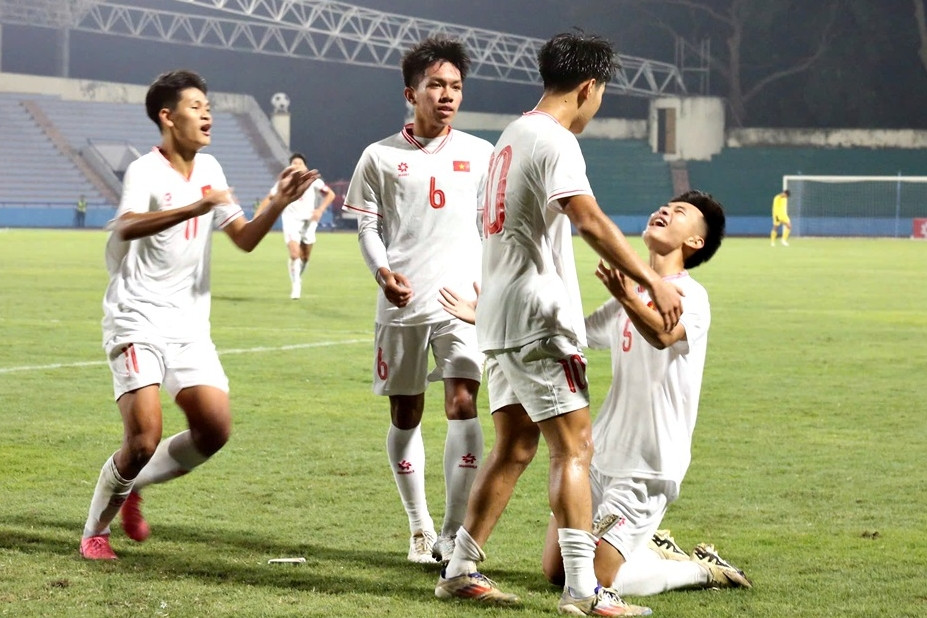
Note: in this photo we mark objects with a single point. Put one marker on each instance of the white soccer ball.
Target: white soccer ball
(280, 102)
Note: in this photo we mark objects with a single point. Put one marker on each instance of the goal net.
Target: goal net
(857, 205)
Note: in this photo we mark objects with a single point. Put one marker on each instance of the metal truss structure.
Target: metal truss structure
(320, 30)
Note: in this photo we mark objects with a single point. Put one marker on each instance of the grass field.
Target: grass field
(807, 465)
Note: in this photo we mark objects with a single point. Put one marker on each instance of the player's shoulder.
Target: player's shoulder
(690, 286)
(204, 159)
(472, 141)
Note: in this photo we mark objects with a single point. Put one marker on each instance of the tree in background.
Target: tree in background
(921, 21)
(765, 43)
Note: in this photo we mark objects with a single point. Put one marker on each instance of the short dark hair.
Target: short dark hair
(429, 51)
(297, 155)
(570, 58)
(165, 91)
(713, 213)
(787, 193)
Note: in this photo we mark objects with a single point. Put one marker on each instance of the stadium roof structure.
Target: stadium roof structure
(320, 30)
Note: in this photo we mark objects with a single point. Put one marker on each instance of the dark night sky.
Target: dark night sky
(336, 109)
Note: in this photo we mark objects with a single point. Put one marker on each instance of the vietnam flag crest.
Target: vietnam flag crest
(461, 166)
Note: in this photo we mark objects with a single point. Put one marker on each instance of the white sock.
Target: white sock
(466, 554)
(111, 491)
(578, 550)
(302, 266)
(463, 452)
(644, 575)
(406, 451)
(295, 270)
(174, 457)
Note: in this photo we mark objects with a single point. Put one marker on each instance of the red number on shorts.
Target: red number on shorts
(436, 196)
(626, 336)
(131, 360)
(494, 201)
(382, 367)
(574, 368)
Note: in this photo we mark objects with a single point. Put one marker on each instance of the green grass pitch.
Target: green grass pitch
(807, 464)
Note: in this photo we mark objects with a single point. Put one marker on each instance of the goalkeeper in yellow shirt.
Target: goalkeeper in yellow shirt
(780, 216)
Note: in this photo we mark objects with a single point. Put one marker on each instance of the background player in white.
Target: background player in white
(417, 193)
(300, 222)
(156, 307)
(530, 322)
(643, 432)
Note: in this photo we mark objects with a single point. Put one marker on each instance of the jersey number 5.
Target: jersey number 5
(494, 200)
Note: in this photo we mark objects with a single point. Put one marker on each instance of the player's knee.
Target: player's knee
(460, 406)
(553, 571)
(211, 437)
(140, 449)
(521, 454)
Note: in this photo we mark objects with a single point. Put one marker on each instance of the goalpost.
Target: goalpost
(893, 206)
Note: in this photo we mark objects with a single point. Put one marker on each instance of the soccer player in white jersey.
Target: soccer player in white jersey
(418, 196)
(530, 322)
(156, 306)
(300, 221)
(643, 432)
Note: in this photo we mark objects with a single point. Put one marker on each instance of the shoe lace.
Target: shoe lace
(98, 545)
(421, 543)
(608, 597)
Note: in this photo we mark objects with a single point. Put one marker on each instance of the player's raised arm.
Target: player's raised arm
(291, 184)
(607, 240)
(647, 321)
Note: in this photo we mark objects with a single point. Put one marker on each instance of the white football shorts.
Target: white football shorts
(400, 364)
(547, 377)
(174, 365)
(640, 502)
(299, 230)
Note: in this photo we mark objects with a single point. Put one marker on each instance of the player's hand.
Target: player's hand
(461, 308)
(212, 199)
(396, 288)
(292, 183)
(668, 300)
(621, 287)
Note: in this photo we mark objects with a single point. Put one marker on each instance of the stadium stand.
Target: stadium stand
(39, 185)
(29, 156)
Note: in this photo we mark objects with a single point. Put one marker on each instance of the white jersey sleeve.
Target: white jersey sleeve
(602, 323)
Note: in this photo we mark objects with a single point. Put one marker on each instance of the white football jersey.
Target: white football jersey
(159, 284)
(644, 429)
(302, 208)
(530, 290)
(425, 195)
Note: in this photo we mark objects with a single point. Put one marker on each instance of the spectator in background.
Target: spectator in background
(80, 212)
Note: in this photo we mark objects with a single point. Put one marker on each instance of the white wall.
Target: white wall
(699, 126)
(828, 138)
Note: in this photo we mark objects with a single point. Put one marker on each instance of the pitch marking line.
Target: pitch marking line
(295, 346)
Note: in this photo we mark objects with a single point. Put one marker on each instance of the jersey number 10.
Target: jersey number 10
(494, 204)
